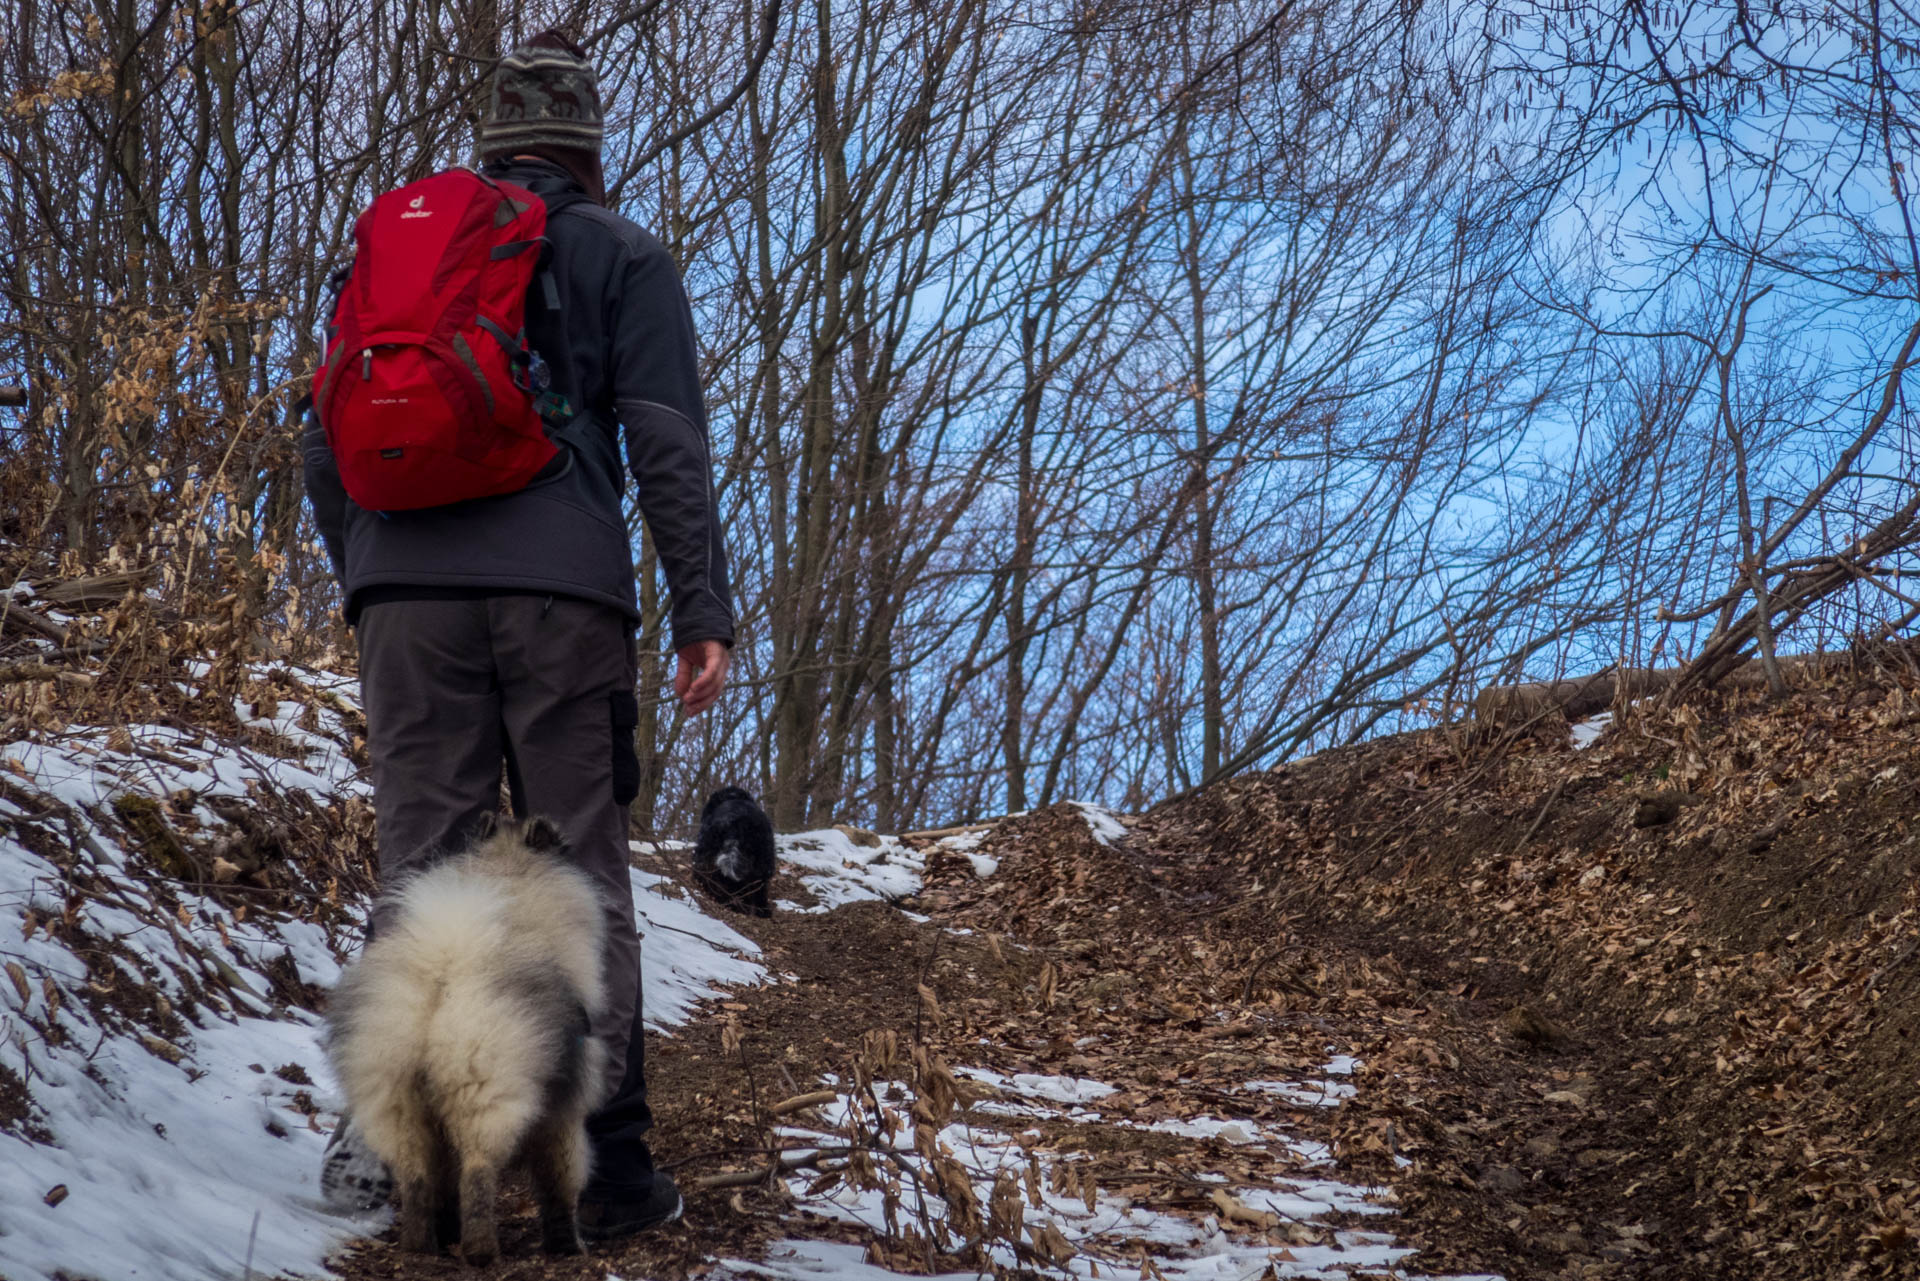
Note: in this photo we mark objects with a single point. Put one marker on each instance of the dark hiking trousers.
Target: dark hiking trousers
(454, 687)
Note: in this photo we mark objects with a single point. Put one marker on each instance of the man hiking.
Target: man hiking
(499, 630)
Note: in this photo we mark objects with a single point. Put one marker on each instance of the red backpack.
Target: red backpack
(427, 393)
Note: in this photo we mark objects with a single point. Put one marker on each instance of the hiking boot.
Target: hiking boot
(647, 1202)
(352, 1179)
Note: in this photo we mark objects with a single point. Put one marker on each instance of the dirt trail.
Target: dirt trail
(1073, 997)
(1642, 1010)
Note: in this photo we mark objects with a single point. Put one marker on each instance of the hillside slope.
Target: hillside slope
(1669, 981)
(1449, 1002)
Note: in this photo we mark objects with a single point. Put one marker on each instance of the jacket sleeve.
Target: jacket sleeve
(656, 385)
(325, 493)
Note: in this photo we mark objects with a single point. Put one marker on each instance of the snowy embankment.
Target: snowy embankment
(186, 1142)
(182, 1140)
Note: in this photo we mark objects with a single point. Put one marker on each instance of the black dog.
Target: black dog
(733, 859)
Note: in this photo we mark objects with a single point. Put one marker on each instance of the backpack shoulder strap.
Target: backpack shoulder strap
(560, 201)
(561, 404)
(556, 204)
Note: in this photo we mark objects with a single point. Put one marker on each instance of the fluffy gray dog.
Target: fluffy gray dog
(460, 1037)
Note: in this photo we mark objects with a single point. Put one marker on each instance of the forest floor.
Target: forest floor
(1639, 1008)
(1458, 1003)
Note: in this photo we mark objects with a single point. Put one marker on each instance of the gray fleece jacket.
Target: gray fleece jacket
(623, 336)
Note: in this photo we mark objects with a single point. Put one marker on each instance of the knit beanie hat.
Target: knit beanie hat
(545, 94)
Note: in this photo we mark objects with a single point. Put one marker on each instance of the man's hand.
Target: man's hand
(700, 675)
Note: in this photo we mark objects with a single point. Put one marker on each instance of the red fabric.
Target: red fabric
(419, 432)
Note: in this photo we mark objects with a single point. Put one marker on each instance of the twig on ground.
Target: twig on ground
(1541, 817)
(749, 1178)
(1260, 962)
(803, 1101)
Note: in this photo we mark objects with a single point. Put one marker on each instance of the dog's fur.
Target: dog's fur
(733, 860)
(460, 1037)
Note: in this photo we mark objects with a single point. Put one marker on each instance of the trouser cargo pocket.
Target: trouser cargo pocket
(626, 760)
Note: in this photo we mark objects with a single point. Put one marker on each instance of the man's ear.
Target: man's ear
(542, 835)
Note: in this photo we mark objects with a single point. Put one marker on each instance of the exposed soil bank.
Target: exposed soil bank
(1671, 979)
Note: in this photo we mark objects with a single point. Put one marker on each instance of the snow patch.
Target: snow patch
(1057, 1089)
(167, 1167)
(1106, 825)
(179, 1158)
(1311, 1094)
(1585, 732)
(1113, 1228)
(837, 870)
(168, 1150)
(811, 1260)
(685, 953)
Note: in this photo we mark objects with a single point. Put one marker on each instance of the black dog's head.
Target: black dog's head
(725, 796)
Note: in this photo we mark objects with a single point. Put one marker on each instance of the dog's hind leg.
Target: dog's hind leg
(410, 1140)
(419, 1211)
(557, 1160)
(479, 1186)
(445, 1172)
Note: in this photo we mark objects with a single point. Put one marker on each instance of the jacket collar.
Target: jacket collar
(541, 177)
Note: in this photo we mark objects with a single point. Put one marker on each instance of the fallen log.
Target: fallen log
(16, 673)
(1578, 697)
(750, 1178)
(938, 833)
(1584, 696)
(801, 1102)
(25, 622)
(21, 621)
(99, 592)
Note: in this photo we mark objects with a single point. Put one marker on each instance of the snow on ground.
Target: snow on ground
(1059, 1089)
(1108, 1233)
(185, 1159)
(1586, 731)
(823, 1261)
(192, 1159)
(684, 952)
(1106, 825)
(1312, 1094)
(966, 843)
(834, 1261)
(183, 1172)
(838, 870)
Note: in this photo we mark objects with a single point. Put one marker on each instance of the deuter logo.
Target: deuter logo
(390, 400)
(415, 211)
